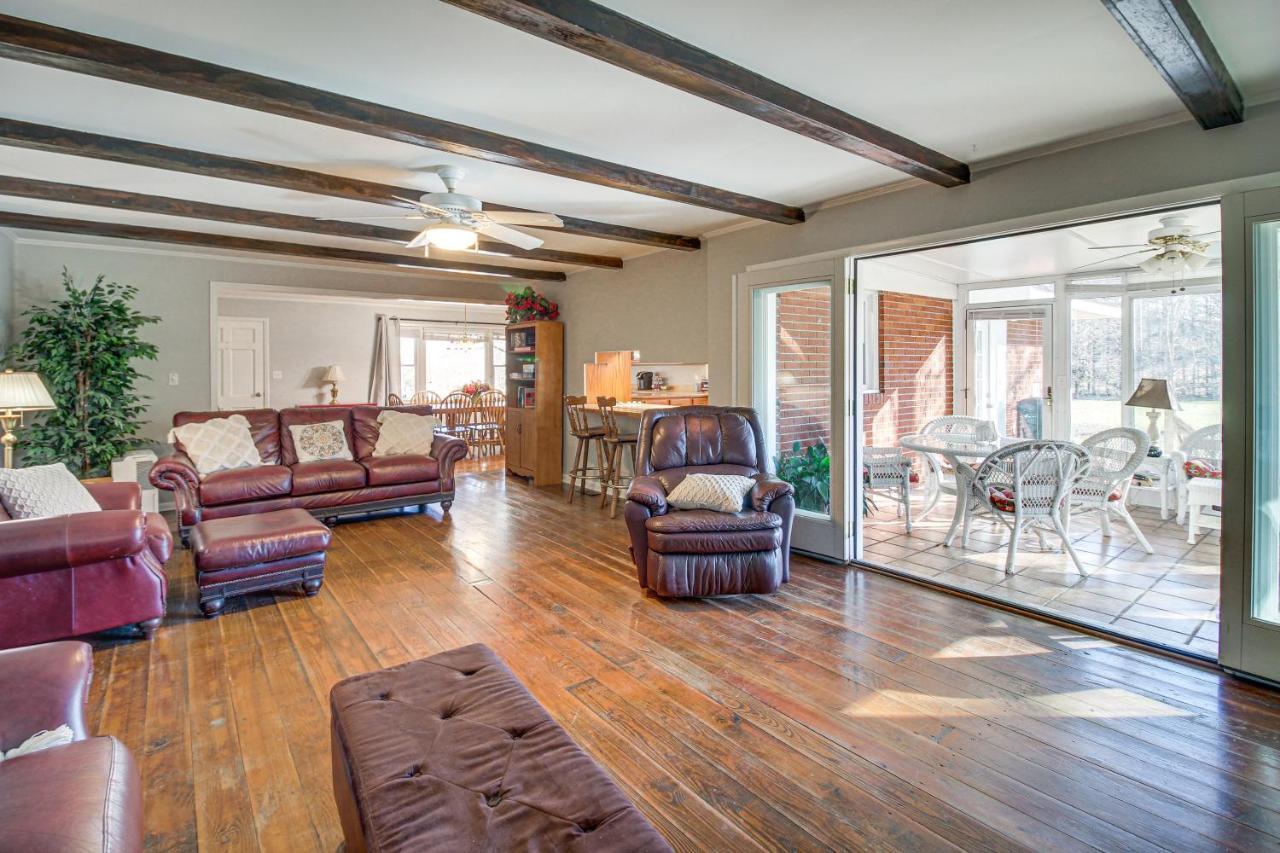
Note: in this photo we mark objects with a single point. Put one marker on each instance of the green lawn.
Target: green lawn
(1090, 416)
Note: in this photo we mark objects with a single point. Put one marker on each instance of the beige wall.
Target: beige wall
(176, 287)
(308, 335)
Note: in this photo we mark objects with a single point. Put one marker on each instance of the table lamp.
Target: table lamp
(333, 376)
(19, 392)
(1154, 396)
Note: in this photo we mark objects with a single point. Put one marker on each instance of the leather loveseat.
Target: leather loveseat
(700, 552)
(327, 489)
(70, 575)
(83, 795)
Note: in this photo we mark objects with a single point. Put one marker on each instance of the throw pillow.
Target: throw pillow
(61, 736)
(42, 491)
(719, 492)
(218, 444)
(315, 442)
(1202, 468)
(401, 433)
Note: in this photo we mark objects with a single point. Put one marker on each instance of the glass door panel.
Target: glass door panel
(1097, 365)
(1009, 369)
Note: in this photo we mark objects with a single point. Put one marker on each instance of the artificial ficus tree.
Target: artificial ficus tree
(86, 346)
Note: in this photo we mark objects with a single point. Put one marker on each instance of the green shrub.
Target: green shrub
(809, 470)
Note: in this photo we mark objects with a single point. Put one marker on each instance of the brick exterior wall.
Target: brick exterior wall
(917, 382)
(1024, 341)
(803, 327)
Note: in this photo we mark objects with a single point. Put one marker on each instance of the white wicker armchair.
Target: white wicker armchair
(1203, 445)
(960, 428)
(1026, 485)
(888, 468)
(1116, 455)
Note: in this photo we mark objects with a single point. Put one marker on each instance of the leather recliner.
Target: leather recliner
(70, 575)
(327, 488)
(701, 552)
(84, 795)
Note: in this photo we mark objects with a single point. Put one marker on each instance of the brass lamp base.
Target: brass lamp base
(333, 393)
(8, 420)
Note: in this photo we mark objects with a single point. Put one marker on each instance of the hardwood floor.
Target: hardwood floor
(849, 711)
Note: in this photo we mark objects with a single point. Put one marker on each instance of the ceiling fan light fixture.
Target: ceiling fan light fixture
(453, 238)
(1196, 262)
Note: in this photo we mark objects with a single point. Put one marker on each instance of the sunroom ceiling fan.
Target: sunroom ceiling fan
(1172, 246)
(455, 221)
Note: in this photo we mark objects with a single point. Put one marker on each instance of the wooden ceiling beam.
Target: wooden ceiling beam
(1171, 36)
(77, 143)
(249, 244)
(625, 42)
(42, 44)
(164, 205)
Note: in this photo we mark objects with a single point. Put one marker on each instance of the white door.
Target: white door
(1011, 369)
(1250, 633)
(793, 370)
(241, 380)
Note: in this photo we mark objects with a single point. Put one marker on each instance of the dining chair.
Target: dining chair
(956, 428)
(488, 427)
(395, 400)
(617, 445)
(888, 468)
(455, 411)
(1116, 455)
(424, 398)
(1027, 485)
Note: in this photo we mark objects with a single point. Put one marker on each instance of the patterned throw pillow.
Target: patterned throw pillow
(314, 442)
(43, 491)
(1002, 499)
(719, 492)
(1202, 468)
(402, 433)
(218, 444)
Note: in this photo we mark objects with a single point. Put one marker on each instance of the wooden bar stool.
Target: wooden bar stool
(616, 445)
(588, 436)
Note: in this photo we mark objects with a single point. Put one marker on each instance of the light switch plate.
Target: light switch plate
(173, 379)
(277, 374)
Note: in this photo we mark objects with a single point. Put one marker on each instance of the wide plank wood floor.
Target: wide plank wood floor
(850, 711)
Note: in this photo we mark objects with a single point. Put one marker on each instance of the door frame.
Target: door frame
(1247, 645)
(832, 538)
(1025, 310)
(215, 362)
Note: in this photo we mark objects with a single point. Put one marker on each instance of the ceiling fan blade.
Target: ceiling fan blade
(508, 235)
(525, 217)
(353, 218)
(1205, 234)
(419, 240)
(1124, 246)
(1115, 258)
(423, 207)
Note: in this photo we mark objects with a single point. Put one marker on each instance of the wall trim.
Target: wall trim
(380, 299)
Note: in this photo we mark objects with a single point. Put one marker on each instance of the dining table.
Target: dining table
(960, 452)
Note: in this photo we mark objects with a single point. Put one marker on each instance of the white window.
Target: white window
(433, 358)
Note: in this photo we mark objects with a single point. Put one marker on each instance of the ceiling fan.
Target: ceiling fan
(1174, 248)
(456, 221)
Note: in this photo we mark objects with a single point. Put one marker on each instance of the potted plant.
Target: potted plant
(85, 346)
(528, 304)
(809, 471)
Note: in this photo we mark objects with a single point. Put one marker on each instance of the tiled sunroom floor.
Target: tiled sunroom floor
(1169, 597)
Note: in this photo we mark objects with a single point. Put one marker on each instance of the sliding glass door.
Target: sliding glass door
(1010, 365)
(1251, 502)
(793, 371)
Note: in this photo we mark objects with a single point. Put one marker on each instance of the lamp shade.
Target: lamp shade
(1152, 394)
(23, 392)
(334, 374)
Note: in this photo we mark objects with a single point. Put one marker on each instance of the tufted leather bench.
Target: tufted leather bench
(453, 753)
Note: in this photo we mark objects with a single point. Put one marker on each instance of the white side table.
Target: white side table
(1163, 491)
(1202, 492)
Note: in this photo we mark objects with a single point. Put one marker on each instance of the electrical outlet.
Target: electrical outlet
(173, 379)
(277, 374)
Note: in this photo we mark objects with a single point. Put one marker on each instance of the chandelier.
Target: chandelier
(467, 338)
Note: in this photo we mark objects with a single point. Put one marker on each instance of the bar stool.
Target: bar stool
(616, 443)
(588, 436)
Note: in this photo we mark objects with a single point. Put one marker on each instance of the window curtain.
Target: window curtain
(384, 373)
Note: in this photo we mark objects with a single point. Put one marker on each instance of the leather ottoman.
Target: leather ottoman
(250, 553)
(453, 753)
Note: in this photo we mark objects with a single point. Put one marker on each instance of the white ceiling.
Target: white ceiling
(1043, 254)
(975, 80)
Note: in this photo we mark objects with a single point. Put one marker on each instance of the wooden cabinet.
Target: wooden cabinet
(671, 399)
(535, 391)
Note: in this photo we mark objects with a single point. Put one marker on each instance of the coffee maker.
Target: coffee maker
(644, 380)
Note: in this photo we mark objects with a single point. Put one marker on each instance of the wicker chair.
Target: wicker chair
(1205, 446)
(1027, 485)
(888, 468)
(1116, 455)
(958, 428)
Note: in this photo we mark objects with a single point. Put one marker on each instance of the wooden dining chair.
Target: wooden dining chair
(488, 427)
(394, 400)
(588, 436)
(617, 445)
(455, 410)
(424, 398)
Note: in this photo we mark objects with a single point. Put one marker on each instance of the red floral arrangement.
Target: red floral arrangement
(474, 387)
(528, 304)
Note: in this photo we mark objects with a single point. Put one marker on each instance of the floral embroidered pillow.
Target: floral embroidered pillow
(1202, 468)
(317, 442)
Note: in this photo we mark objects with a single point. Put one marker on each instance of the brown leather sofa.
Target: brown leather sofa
(85, 795)
(76, 574)
(326, 489)
(700, 552)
